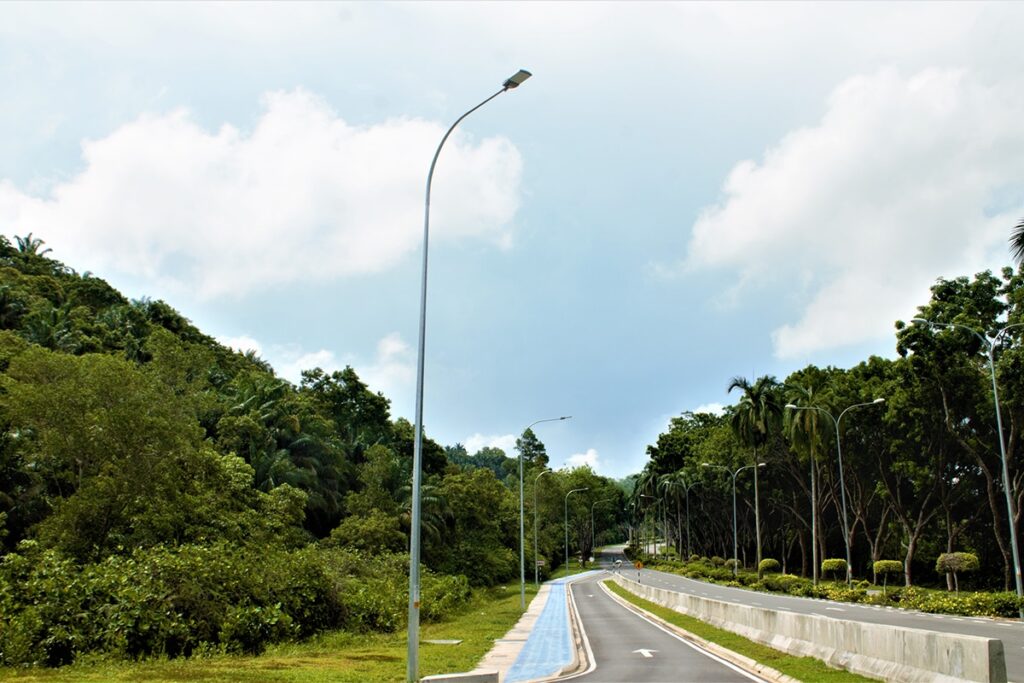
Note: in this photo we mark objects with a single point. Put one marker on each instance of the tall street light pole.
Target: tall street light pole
(1011, 512)
(686, 488)
(593, 534)
(654, 527)
(735, 543)
(585, 488)
(412, 668)
(842, 486)
(522, 538)
(536, 573)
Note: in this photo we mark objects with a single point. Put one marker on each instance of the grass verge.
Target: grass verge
(337, 657)
(800, 668)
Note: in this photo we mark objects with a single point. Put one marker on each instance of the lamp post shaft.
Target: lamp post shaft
(842, 495)
(412, 663)
(1011, 512)
(1010, 508)
(735, 544)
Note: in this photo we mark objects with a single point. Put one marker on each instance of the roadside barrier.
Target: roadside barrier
(891, 653)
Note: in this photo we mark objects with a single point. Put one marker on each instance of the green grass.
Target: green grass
(800, 668)
(337, 657)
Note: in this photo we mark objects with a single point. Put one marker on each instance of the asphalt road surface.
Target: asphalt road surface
(1010, 631)
(626, 648)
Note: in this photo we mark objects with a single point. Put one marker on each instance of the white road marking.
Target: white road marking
(834, 609)
(646, 653)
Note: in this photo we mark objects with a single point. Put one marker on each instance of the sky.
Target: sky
(681, 194)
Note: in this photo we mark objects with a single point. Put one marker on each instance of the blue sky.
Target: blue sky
(681, 194)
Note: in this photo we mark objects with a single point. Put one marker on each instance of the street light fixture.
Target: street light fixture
(585, 488)
(412, 665)
(522, 539)
(990, 344)
(842, 486)
(735, 544)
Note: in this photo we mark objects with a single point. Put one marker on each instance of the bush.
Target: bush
(782, 583)
(732, 563)
(696, 558)
(884, 568)
(768, 566)
(175, 601)
(953, 563)
(717, 561)
(834, 566)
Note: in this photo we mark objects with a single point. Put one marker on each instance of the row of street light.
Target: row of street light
(414, 550)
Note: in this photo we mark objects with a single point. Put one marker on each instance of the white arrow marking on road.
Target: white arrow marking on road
(645, 653)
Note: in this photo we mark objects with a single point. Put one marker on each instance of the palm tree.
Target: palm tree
(29, 246)
(756, 414)
(1017, 242)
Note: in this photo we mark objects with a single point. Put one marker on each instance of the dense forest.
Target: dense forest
(163, 494)
(921, 470)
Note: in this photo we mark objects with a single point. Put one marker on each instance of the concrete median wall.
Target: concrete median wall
(891, 653)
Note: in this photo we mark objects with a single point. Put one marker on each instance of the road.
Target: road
(1010, 631)
(627, 647)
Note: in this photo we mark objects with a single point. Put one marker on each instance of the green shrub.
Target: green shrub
(782, 583)
(696, 558)
(884, 568)
(717, 561)
(954, 563)
(834, 567)
(732, 563)
(176, 601)
(768, 566)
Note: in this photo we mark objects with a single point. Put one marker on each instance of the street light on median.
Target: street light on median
(412, 664)
(735, 544)
(842, 486)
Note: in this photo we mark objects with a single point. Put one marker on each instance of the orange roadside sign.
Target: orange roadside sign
(639, 565)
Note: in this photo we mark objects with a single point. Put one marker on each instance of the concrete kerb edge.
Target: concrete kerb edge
(745, 663)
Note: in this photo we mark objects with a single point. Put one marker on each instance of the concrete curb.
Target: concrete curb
(745, 663)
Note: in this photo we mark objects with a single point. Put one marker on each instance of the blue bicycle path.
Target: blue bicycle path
(549, 647)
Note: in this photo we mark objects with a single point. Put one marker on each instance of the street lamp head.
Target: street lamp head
(565, 417)
(516, 80)
(790, 406)
(921, 320)
(762, 464)
(879, 400)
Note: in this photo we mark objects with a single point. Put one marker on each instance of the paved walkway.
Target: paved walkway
(540, 644)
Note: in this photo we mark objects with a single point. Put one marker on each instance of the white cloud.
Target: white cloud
(590, 459)
(903, 179)
(713, 408)
(393, 370)
(242, 344)
(506, 442)
(302, 196)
